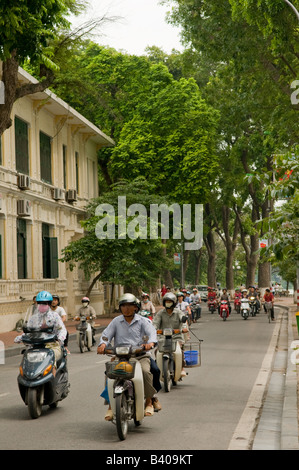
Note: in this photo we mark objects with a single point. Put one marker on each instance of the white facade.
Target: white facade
(42, 204)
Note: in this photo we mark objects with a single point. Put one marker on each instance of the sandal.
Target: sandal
(109, 415)
(149, 410)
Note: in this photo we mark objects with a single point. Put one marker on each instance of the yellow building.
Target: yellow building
(48, 172)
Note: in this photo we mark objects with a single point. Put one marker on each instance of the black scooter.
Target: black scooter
(37, 384)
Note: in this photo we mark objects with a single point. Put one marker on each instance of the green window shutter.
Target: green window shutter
(21, 249)
(53, 252)
(45, 158)
(21, 146)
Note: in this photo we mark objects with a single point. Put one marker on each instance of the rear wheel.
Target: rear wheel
(121, 412)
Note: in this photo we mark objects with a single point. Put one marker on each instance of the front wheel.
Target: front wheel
(121, 413)
(82, 342)
(34, 402)
(166, 375)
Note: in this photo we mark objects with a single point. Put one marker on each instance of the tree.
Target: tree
(126, 261)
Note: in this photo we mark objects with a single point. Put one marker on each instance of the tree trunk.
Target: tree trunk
(210, 245)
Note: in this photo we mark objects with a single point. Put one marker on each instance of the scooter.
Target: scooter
(84, 333)
(224, 309)
(37, 384)
(195, 310)
(253, 305)
(169, 358)
(237, 304)
(146, 314)
(212, 304)
(125, 387)
(245, 308)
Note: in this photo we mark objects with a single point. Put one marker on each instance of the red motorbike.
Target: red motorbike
(224, 309)
(212, 305)
(237, 304)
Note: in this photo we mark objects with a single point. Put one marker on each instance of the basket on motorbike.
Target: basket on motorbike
(192, 354)
(164, 345)
(124, 369)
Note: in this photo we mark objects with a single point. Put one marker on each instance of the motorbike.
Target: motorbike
(212, 304)
(84, 333)
(245, 308)
(146, 314)
(195, 311)
(169, 357)
(38, 385)
(125, 387)
(253, 305)
(237, 304)
(224, 309)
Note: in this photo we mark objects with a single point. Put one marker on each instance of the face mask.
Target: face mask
(168, 304)
(145, 301)
(84, 304)
(42, 308)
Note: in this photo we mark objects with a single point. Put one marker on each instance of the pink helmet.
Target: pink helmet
(85, 299)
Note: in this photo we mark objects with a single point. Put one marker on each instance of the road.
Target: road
(201, 412)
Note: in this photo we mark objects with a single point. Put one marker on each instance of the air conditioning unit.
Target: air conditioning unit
(71, 195)
(24, 181)
(58, 194)
(23, 207)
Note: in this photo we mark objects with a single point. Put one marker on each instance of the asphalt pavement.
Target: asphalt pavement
(273, 405)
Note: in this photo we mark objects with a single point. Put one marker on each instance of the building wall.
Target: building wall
(62, 217)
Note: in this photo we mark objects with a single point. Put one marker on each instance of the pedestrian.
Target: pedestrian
(163, 290)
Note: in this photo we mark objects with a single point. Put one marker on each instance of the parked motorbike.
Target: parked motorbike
(125, 387)
(212, 304)
(245, 308)
(37, 384)
(224, 309)
(84, 333)
(237, 304)
(169, 357)
(253, 305)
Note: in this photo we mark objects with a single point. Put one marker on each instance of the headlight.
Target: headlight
(167, 332)
(36, 356)
(121, 350)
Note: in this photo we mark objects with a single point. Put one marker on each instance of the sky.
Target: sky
(142, 23)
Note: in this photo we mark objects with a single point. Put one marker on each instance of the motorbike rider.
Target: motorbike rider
(225, 296)
(269, 297)
(171, 317)
(88, 311)
(130, 328)
(56, 307)
(196, 299)
(212, 295)
(237, 295)
(182, 305)
(45, 317)
(147, 304)
(253, 293)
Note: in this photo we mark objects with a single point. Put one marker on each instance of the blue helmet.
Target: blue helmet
(44, 296)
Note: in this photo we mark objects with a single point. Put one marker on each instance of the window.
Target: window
(21, 146)
(21, 248)
(45, 157)
(64, 156)
(50, 253)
